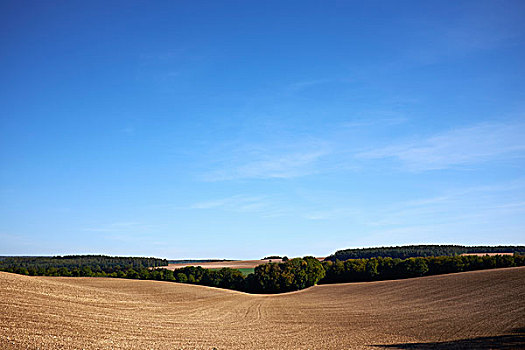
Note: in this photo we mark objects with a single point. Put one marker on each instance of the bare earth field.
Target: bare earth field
(481, 309)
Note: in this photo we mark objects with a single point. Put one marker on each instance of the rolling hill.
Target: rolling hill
(481, 309)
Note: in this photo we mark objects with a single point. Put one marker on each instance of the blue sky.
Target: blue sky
(238, 129)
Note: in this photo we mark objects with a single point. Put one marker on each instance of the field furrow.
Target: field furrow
(101, 313)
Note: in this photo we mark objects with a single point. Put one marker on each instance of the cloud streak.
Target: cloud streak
(472, 204)
(120, 227)
(236, 203)
(264, 206)
(453, 149)
(287, 162)
(458, 147)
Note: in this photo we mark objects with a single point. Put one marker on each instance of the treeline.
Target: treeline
(413, 251)
(77, 265)
(294, 274)
(290, 275)
(375, 269)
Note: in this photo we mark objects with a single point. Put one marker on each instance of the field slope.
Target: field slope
(480, 309)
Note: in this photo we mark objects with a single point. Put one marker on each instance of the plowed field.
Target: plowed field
(482, 309)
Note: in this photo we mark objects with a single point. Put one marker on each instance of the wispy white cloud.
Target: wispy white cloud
(280, 166)
(264, 206)
(119, 227)
(240, 203)
(457, 147)
(269, 162)
(305, 84)
(465, 33)
(331, 214)
(472, 204)
(389, 121)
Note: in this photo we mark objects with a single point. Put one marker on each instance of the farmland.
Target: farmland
(234, 264)
(485, 254)
(245, 266)
(244, 270)
(463, 309)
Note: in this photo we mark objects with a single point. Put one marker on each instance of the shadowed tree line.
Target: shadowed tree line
(294, 274)
(375, 269)
(413, 251)
(77, 265)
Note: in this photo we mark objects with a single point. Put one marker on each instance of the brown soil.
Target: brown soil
(466, 310)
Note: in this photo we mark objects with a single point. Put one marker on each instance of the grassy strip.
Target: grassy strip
(244, 270)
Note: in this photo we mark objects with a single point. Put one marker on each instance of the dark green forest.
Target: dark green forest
(375, 269)
(76, 265)
(413, 251)
(294, 274)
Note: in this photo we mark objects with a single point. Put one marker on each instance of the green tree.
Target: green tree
(371, 269)
(63, 271)
(130, 273)
(180, 277)
(416, 267)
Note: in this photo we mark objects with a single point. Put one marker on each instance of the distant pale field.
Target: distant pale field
(489, 254)
(481, 309)
(236, 264)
